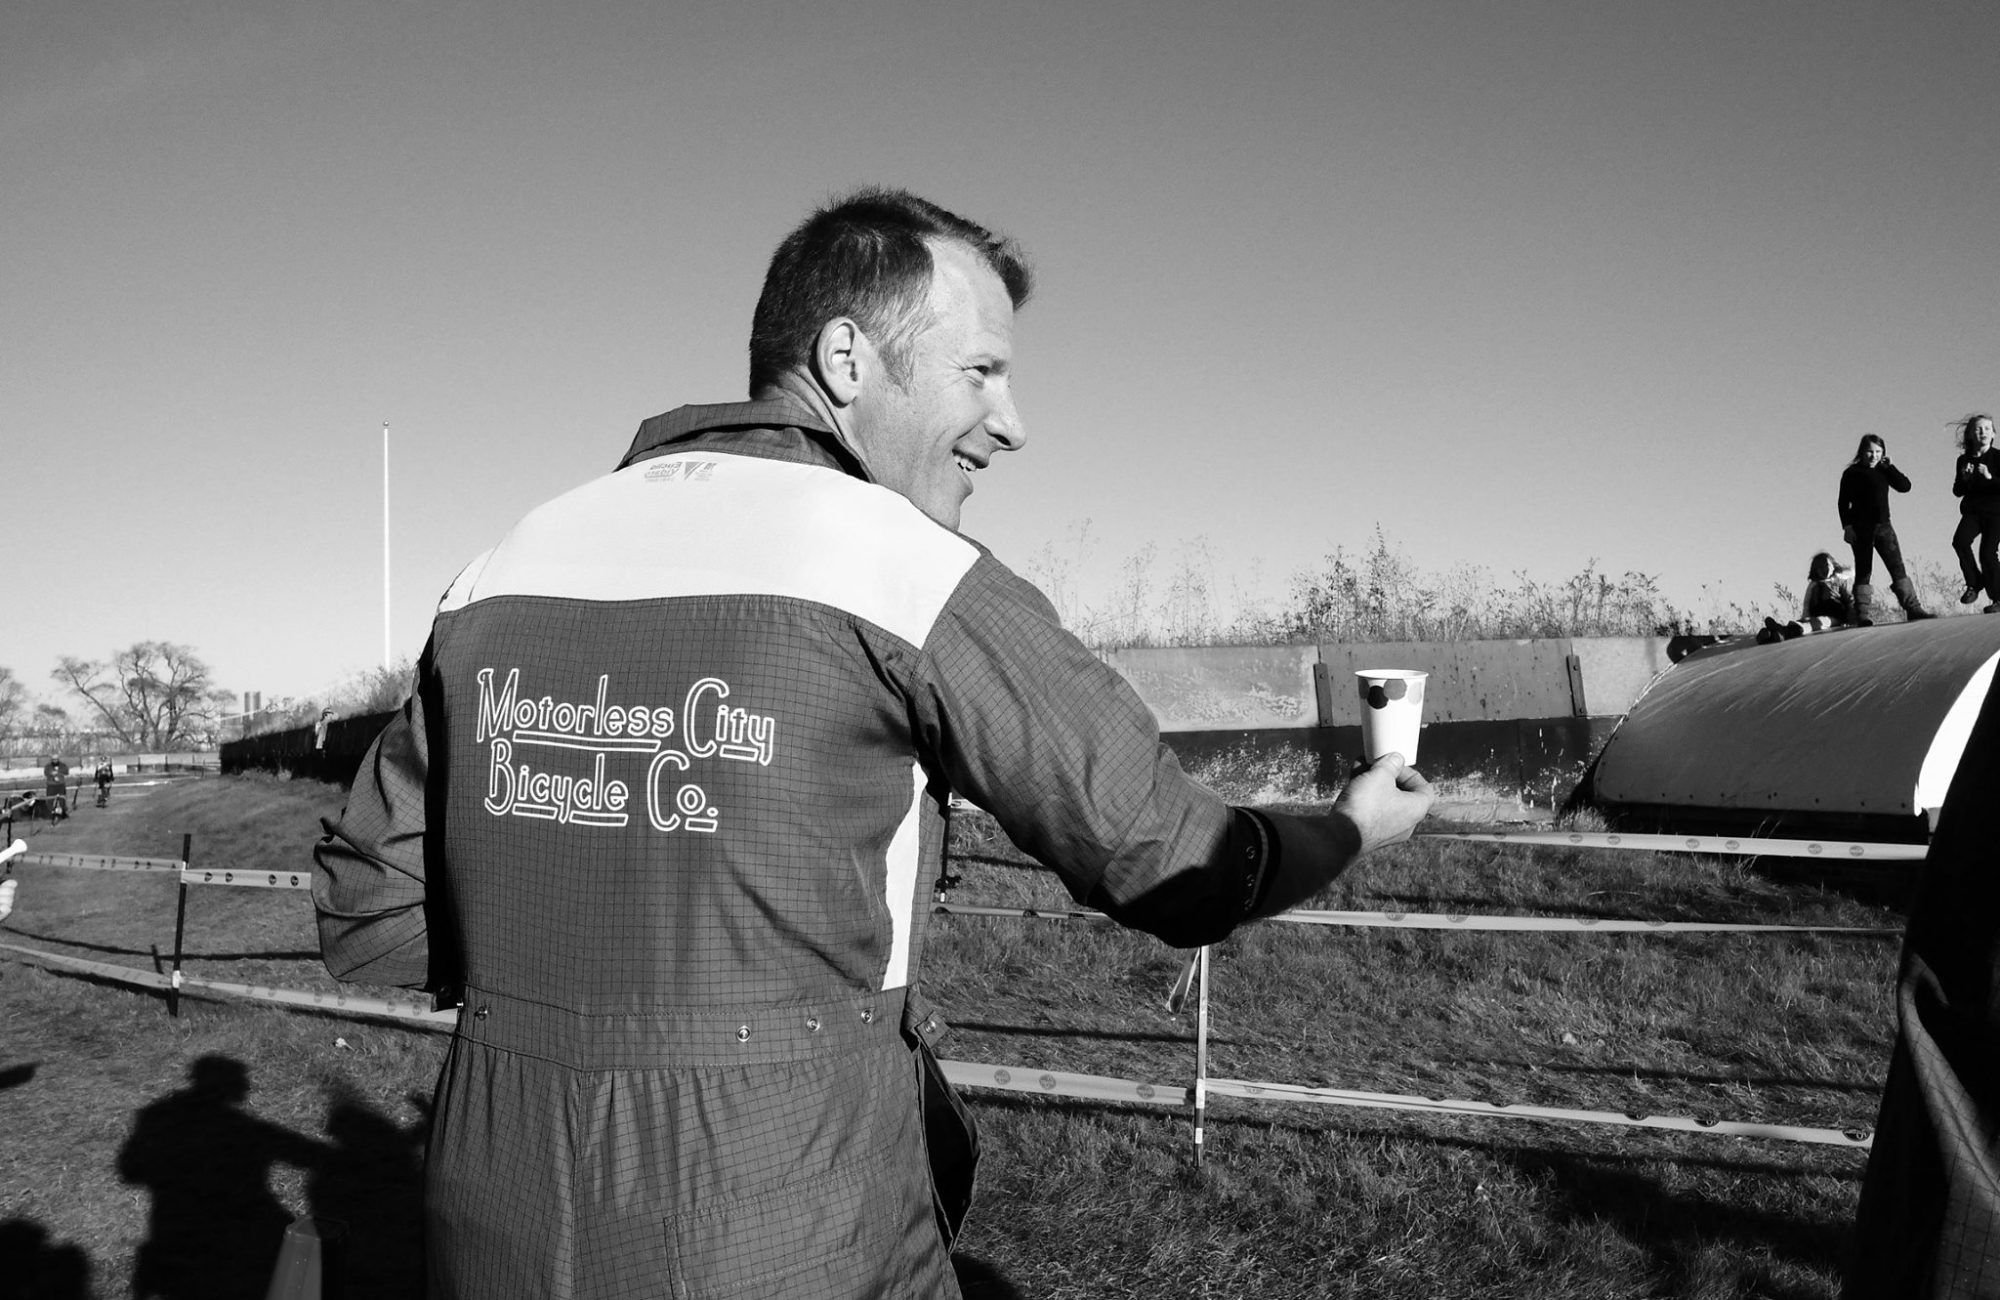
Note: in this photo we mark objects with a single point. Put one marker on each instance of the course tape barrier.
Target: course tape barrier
(1856, 1139)
(413, 1011)
(189, 875)
(100, 864)
(249, 879)
(1055, 1083)
(1014, 1078)
(1453, 921)
(1745, 846)
(103, 970)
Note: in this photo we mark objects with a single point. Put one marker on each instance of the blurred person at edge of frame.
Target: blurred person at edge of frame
(1928, 1223)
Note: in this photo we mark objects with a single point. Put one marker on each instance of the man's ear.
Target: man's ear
(843, 360)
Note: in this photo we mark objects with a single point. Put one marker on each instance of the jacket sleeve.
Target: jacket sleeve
(1958, 476)
(1846, 500)
(369, 890)
(1894, 477)
(1029, 724)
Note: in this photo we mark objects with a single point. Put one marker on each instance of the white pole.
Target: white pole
(385, 544)
(1200, 1051)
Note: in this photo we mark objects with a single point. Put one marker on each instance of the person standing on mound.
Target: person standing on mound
(1864, 521)
(1976, 483)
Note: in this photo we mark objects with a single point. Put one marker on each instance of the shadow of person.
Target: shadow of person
(216, 1228)
(979, 1280)
(371, 1180)
(32, 1269)
(1679, 1227)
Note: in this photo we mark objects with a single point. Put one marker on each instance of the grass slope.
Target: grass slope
(163, 1152)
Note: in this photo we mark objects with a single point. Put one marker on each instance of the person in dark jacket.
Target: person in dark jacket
(1864, 521)
(1976, 483)
(55, 788)
(1928, 1223)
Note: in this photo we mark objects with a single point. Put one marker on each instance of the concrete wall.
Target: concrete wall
(1616, 670)
(1223, 688)
(1470, 681)
(1252, 688)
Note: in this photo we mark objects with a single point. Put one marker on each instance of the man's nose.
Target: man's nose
(1004, 423)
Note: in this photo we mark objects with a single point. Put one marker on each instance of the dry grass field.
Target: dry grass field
(149, 1153)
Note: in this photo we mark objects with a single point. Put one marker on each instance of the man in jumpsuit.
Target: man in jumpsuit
(665, 806)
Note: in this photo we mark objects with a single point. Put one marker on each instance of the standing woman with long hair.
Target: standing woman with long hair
(1864, 521)
(1976, 484)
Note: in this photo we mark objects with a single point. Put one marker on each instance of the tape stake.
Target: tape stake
(1200, 1050)
(1177, 995)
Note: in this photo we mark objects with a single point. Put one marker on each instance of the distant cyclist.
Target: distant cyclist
(55, 788)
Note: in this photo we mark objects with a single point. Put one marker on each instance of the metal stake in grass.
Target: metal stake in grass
(1177, 995)
(1200, 1051)
(180, 928)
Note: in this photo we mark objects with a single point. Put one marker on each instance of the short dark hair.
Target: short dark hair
(866, 256)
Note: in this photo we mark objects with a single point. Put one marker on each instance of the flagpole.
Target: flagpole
(385, 544)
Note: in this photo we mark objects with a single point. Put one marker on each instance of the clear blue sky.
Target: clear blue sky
(1525, 284)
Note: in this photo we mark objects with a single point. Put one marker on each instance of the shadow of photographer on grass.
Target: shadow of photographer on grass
(216, 1229)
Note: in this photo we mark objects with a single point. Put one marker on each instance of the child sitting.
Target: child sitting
(1829, 602)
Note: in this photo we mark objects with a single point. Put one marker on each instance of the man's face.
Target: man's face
(927, 437)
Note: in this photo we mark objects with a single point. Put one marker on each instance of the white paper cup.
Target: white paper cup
(1392, 711)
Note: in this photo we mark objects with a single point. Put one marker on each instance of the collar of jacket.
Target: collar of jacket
(777, 426)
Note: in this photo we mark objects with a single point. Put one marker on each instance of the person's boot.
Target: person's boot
(1864, 605)
(1906, 596)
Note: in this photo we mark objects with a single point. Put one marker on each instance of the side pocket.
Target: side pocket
(952, 1141)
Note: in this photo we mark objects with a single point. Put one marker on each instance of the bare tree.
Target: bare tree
(13, 703)
(153, 695)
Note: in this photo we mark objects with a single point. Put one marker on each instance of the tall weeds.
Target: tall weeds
(1378, 594)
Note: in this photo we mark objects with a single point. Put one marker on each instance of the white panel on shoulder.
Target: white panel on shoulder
(455, 595)
(705, 523)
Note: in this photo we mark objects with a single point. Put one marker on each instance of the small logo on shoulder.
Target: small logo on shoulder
(680, 471)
